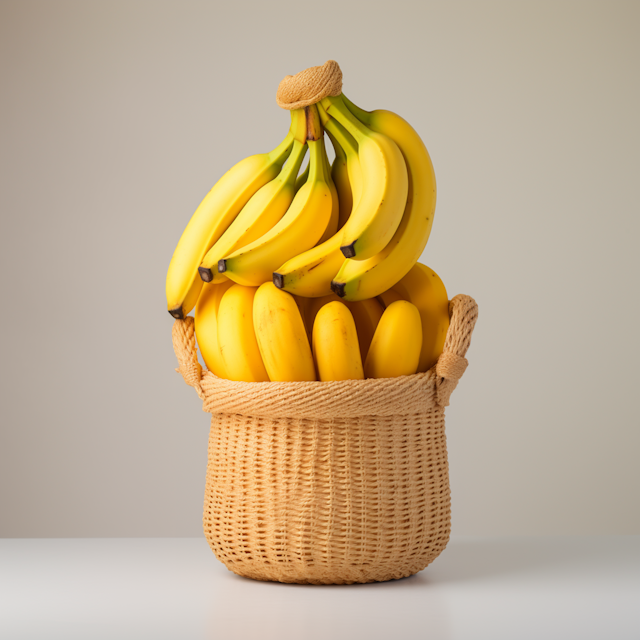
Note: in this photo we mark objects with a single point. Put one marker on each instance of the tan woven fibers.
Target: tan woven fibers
(329, 483)
(310, 86)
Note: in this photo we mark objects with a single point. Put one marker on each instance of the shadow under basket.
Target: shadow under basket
(329, 482)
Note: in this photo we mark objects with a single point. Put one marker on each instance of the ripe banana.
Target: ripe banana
(265, 208)
(310, 273)
(237, 338)
(423, 287)
(340, 175)
(282, 336)
(366, 314)
(332, 227)
(369, 278)
(206, 325)
(335, 344)
(376, 216)
(216, 212)
(299, 229)
(395, 348)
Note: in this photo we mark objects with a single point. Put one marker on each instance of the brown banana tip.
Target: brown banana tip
(278, 280)
(348, 251)
(177, 313)
(338, 288)
(205, 274)
(222, 266)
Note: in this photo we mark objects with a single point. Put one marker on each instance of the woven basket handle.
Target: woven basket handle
(451, 364)
(184, 345)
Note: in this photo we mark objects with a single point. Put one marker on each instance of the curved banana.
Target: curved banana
(368, 278)
(206, 325)
(332, 227)
(298, 230)
(335, 344)
(395, 348)
(216, 212)
(282, 336)
(237, 338)
(422, 287)
(340, 175)
(376, 216)
(310, 273)
(265, 208)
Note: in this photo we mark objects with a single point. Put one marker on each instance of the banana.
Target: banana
(206, 325)
(332, 227)
(310, 273)
(265, 208)
(366, 314)
(340, 176)
(422, 287)
(282, 336)
(216, 212)
(376, 216)
(335, 344)
(237, 338)
(369, 278)
(387, 297)
(395, 348)
(298, 230)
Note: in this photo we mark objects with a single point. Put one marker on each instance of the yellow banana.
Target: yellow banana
(265, 208)
(387, 297)
(422, 287)
(395, 348)
(369, 278)
(216, 212)
(237, 338)
(335, 344)
(282, 336)
(298, 230)
(340, 175)
(376, 216)
(206, 325)
(310, 273)
(366, 314)
(332, 227)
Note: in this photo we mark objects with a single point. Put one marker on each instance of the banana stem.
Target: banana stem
(314, 126)
(336, 108)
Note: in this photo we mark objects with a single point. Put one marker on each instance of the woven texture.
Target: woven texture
(329, 482)
(310, 86)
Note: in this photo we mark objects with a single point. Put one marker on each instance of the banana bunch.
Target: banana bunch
(313, 275)
(256, 334)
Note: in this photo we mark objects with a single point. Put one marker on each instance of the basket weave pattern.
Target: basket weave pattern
(334, 482)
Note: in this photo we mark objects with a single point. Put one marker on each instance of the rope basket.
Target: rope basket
(329, 482)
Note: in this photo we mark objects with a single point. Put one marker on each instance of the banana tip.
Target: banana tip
(177, 313)
(222, 266)
(278, 280)
(349, 251)
(205, 274)
(338, 288)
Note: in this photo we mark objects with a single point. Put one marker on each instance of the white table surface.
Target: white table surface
(578, 588)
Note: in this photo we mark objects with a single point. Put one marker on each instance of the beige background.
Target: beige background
(117, 117)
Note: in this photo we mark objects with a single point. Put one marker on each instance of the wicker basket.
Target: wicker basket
(329, 482)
